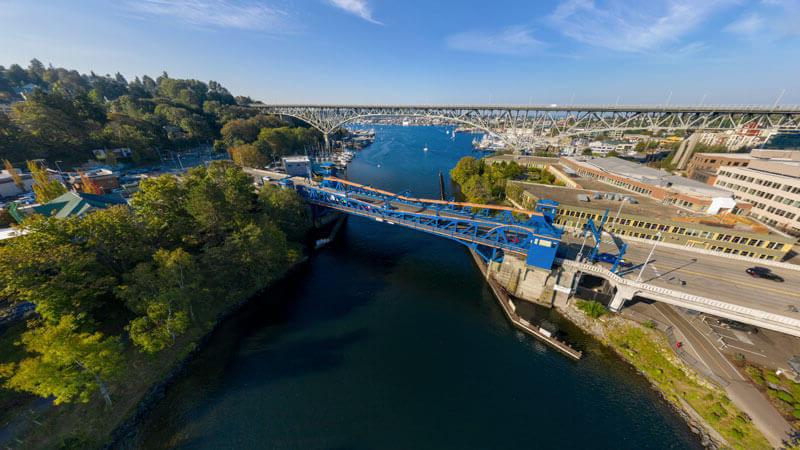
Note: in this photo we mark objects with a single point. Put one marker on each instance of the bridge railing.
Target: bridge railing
(710, 305)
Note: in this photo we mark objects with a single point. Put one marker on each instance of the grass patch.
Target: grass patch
(649, 352)
(783, 393)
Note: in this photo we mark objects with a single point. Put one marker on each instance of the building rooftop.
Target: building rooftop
(296, 159)
(77, 203)
(644, 207)
(742, 156)
(653, 177)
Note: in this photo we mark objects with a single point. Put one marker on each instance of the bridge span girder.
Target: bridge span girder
(515, 124)
(534, 237)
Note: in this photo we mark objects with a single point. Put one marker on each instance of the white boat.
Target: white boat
(425, 149)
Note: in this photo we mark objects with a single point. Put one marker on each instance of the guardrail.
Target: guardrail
(704, 304)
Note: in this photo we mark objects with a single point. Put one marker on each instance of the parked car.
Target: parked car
(763, 272)
(734, 325)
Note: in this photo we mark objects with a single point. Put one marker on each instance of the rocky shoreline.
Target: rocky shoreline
(709, 437)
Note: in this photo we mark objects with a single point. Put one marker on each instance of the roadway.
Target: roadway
(708, 276)
(743, 394)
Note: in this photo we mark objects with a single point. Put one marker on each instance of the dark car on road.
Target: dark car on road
(763, 272)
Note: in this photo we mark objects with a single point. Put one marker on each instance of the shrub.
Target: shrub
(785, 396)
(796, 413)
(591, 308)
(772, 378)
(650, 324)
(737, 433)
(719, 410)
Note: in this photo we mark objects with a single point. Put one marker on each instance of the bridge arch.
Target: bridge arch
(327, 129)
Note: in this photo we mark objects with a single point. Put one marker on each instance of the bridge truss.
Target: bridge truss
(491, 230)
(516, 124)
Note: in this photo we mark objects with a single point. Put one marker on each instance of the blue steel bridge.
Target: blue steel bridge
(492, 231)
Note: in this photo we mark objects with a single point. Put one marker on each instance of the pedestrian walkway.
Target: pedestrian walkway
(741, 392)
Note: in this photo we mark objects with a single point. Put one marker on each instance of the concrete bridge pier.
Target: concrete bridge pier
(327, 137)
(622, 295)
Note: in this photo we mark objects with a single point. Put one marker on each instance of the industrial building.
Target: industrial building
(771, 184)
(662, 186)
(703, 167)
(641, 216)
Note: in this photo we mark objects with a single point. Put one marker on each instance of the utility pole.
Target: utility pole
(652, 250)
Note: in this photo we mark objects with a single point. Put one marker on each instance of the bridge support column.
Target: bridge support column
(620, 297)
(327, 137)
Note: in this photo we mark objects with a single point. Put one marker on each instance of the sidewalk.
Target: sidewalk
(743, 394)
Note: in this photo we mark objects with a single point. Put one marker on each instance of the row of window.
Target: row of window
(717, 248)
(690, 232)
(766, 183)
(781, 213)
(765, 195)
(589, 174)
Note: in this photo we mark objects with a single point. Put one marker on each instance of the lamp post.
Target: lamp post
(621, 204)
(652, 250)
(60, 172)
(580, 252)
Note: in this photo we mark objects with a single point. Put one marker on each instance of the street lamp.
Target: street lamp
(652, 250)
(580, 252)
(60, 172)
(621, 204)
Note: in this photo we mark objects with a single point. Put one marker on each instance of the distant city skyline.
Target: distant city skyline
(379, 51)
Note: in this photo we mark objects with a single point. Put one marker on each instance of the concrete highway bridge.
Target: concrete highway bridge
(515, 123)
(705, 283)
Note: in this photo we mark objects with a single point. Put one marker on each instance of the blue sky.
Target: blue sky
(416, 51)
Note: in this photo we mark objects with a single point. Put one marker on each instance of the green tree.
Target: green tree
(159, 205)
(47, 268)
(287, 209)
(65, 363)
(248, 155)
(14, 175)
(164, 293)
(218, 197)
(466, 168)
(45, 188)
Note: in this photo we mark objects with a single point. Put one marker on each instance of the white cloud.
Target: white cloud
(515, 40)
(358, 8)
(750, 24)
(632, 26)
(247, 15)
(774, 20)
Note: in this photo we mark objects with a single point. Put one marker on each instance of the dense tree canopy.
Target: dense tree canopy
(484, 183)
(66, 114)
(123, 280)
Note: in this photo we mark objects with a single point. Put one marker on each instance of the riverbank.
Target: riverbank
(95, 425)
(705, 407)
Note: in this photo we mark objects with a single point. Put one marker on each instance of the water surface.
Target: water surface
(390, 339)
